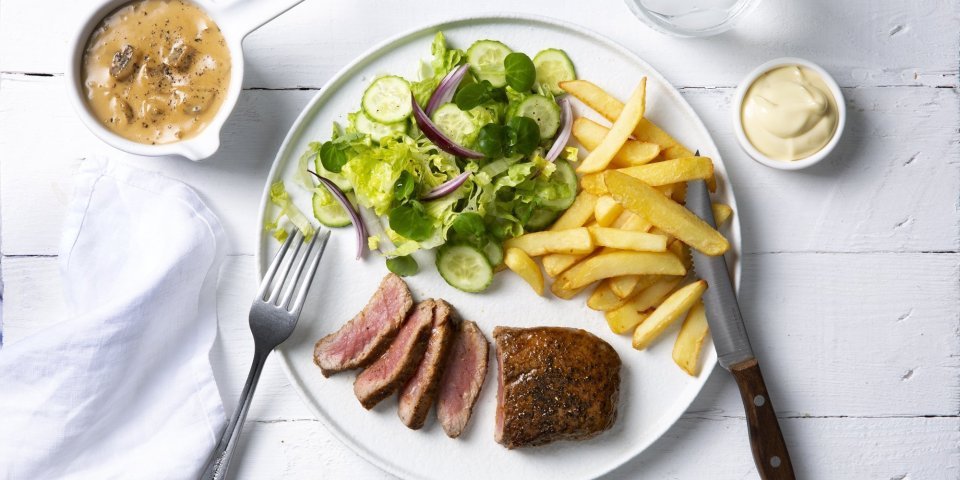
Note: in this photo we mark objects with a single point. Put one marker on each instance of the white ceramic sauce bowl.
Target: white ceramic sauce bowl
(236, 20)
(784, 164)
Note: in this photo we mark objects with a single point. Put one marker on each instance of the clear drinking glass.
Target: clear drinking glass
(691, 18)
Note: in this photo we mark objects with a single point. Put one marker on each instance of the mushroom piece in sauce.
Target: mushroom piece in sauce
(124, 63)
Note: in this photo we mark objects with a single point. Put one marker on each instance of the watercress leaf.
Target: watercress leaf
(404, 187)
(490, 140)
(411, 221)
(332, 157)
(520, 71)
(403, 266)
(469, 225)
(526, 135)
(471, 95)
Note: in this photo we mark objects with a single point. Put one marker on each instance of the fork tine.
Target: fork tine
(278, 285)
(294, 278)
(272, 270)
(308, 279)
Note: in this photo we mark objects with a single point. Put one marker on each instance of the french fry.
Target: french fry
(555, 263)
(606, 210)
(632, 312)
(682, 251)
(657, 174)
(628, 240)
(566, 294)
(631, 222)
(721, 213)
(627, 285)
(524, 266)
(603, 299)
(611, 108)
(686, 350)
(590, 134)
(617, 263)
(680, 193)
(626, 121)
(578, 214)
(664, 213)
(672, 308)
(572, 241)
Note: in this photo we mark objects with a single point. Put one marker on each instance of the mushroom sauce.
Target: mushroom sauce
(156, 71)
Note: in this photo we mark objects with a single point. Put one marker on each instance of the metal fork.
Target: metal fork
(272, 320)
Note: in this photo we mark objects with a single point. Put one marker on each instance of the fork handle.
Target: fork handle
(769, 449)
(219, 462)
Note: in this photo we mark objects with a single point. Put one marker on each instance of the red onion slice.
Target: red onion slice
(437, 137)
(446, 188)
(358, 224)
(565, 128)
(446, 88)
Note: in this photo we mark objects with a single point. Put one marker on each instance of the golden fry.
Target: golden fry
(606, 210)
(667, 172)
(664, 213)
(590, 134)
(686, 350)
(524, 266)
(572, 241)
(578, 214)
(672, 308)
(603, 299)
(721, 213)
(617, 263)
(555, 263)
(630, 115)
(628, 240)
(564, 293)
(610, 108)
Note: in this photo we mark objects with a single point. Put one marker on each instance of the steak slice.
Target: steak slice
(554, 384)
(361, 340)
(418, 395)
(463, 374)
(400, 361)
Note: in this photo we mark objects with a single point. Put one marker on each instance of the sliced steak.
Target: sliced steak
(463, 374)
(554, 384)
(364, 338)
(418, 395)
(392, 370)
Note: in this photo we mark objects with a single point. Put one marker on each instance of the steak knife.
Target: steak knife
(734, 352)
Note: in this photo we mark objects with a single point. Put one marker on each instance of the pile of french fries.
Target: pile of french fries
(627, 236)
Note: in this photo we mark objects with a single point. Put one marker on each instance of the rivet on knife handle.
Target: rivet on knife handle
(769, 449)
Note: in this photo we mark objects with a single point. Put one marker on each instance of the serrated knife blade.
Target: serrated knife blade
(720, 299)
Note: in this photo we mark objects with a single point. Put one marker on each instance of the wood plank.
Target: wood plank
(698, 446)
(865, 43)
(889, 188)
(831, 332)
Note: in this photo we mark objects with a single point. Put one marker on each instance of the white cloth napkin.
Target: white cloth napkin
(122, 387)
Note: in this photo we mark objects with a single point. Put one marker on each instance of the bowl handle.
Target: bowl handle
(245, 16)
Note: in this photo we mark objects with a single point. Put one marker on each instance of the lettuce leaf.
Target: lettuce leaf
(280, 198)
(444, 60)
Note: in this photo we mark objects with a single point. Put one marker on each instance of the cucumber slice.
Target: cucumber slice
(387, 100)
(377, 130)
(328, 211)
(494, 252)
(541, 219)
(455, 123)
(565, 174)
(336, 178)
(542, 110)
(554, 66)
(486, 61)
(464, 267)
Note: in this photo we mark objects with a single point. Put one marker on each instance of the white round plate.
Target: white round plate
(654, 391)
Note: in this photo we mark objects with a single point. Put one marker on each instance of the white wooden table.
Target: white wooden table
(851, 270)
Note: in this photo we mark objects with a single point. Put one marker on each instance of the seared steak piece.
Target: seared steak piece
(463, 374)
(400, 361)
(554, 384)
(418, 394)
(361, 340)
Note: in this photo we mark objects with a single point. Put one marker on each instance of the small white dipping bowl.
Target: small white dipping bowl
(785, 164)
(236, 20)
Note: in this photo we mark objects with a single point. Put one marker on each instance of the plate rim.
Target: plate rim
(383, 47)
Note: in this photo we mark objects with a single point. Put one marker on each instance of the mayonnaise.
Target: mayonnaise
(789, 113)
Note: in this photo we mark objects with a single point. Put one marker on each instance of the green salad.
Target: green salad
(469, 155)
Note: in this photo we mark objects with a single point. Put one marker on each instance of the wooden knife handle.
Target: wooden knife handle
(766, 441)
